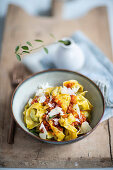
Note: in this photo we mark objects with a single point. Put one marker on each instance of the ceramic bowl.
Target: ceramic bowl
(28, 87)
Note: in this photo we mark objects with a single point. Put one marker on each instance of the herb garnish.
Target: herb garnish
(33, 131)
(20, 50)
(52, 117)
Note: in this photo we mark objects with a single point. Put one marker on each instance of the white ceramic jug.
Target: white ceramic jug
(69, 56)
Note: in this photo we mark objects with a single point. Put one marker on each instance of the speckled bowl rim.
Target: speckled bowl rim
(51, 141)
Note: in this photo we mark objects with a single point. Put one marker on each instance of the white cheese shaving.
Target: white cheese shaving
(30, 101)
(77, 110)
(77, 120)
(75, 89)
(69, 91)
(45, 86)
(85, 127)
(55, 111)
(50, 105)
(50, 98)
(39, 92)
(56, 121)
(42, 99)
(42, 135)
(43, 127)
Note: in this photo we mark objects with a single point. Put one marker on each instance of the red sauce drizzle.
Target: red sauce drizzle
(69, 85)
(35, 100)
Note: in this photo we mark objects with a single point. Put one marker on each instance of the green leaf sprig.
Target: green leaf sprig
(66, 42)
(33, 131)
(28, 47)
(20, 50)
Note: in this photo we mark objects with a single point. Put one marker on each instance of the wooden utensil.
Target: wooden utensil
(16, 76)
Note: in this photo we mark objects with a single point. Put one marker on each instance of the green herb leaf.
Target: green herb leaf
(29, 43)
(66, 42)
(51, 117)
(17, 48)
(18, 57)
(25, 47)
(46, 50)
(26, 52)
(38, 40)
(33, 131)
(61, 41)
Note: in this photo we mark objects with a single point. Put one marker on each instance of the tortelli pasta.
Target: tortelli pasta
(59, 113)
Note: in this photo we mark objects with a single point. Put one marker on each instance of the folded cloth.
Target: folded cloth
(97, 66)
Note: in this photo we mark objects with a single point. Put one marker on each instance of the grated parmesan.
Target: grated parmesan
(50, 98)
(43, 135)
(75, 89)
(77, 120)
(55, 111)
(50, 105)
(77, 110)
(45, 86)
(56, 121)
(69, 91)
(42, 99)
(43, 127)
(30, 101)
(39, 92)
(85, 127)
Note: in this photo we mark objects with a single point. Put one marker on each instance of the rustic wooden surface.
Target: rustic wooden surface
(96, 150)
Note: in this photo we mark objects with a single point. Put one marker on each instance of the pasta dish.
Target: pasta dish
(59, 113)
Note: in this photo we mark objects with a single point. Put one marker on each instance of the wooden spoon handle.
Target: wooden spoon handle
(10, 138)
(16, 76)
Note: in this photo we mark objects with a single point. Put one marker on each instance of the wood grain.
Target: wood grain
(93, 151)
(111, 137)
(57, 8)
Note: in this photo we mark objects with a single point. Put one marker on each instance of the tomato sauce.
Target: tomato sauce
(83, 119)
(47, 100)
(73, 99)
(35, 100)
(69, 85)
(60, 128)
(57, 101)
(47, 125)
(71, 110)
(76, 123)
(65, 115)
(57, 126)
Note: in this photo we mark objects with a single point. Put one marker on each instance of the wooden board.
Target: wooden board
(96, 150)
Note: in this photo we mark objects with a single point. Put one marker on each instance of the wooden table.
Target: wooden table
(96, 150)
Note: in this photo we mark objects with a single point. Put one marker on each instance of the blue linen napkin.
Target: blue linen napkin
(97, 66)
